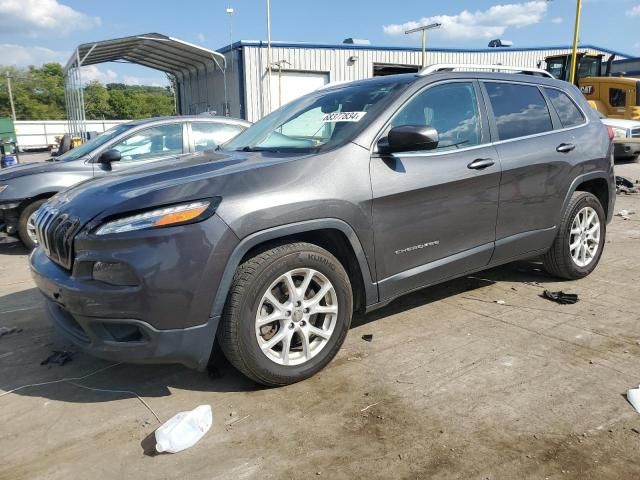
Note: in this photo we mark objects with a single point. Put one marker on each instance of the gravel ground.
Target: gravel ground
(453, 385)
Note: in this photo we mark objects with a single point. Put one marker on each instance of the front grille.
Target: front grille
(635, 133)
(55, 234)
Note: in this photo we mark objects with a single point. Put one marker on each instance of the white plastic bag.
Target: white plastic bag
(184, 429)
(633, 395)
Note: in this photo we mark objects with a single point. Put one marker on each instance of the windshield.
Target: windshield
(92, 144)
(322, 119)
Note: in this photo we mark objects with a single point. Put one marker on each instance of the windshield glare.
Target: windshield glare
(322, 119)
(92, 144)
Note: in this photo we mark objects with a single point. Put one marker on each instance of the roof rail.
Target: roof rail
(449, 67)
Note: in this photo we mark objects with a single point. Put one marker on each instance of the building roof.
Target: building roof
(152, 50)
(344, 46)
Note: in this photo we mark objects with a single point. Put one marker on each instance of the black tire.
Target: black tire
(22, 223)
(558, 260)
(237, 331)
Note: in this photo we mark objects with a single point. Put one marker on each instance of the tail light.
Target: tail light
(612, 135)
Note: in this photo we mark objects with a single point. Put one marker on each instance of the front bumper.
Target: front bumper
(625, 148)
(165, 318)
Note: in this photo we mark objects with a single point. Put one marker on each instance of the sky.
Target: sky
(38, 31)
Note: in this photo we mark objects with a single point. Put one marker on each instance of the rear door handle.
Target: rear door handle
(565, 147)
(481, 163)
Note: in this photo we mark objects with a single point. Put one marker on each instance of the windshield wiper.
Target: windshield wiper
(250, 149)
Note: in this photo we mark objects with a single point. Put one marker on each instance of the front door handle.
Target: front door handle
(481, 163)
(565, 147)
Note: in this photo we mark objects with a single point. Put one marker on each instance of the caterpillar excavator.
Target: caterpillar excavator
(613, 96)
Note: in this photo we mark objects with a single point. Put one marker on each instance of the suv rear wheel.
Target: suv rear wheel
(287, 314)
(578, 246)
(26, 224)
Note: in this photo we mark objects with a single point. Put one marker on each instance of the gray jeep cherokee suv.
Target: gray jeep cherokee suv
(339, 201)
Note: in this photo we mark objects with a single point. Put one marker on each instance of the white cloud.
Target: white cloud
(634, 11)
(149, 81)
(93, 73)
(557, 20)
(21, 56)
(35, 17)
(491, 23)
(201, 37)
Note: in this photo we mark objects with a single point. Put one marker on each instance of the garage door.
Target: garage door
(294, 85)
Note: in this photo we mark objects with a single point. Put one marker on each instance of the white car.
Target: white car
(627, 138)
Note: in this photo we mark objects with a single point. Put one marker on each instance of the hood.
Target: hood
(24, 169)
(193, 177)
(621, 123)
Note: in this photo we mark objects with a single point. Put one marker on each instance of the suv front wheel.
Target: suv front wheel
(287, 314)
(578, 246)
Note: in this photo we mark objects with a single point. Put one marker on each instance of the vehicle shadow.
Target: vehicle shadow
(12, 247)
(119, 381)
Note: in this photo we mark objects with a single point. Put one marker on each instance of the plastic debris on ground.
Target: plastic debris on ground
(367, 337)
(59, 357)
(560, 297)
(624, 185)
(183, 430)
(625, 214)
(633, 396)
(501, 302)
(9, 330)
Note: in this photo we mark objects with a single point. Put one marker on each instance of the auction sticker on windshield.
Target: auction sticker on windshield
(343, 117)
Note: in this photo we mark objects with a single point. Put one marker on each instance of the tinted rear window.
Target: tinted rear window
(570, 115)
(520, 110)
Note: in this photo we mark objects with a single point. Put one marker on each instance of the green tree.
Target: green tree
(38, 94)
(96, 100)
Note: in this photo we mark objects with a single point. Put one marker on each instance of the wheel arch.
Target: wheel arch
(35, 198)
(596, 183)
(332, 234)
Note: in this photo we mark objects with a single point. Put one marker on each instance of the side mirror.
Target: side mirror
(109, 156)
(409, 138)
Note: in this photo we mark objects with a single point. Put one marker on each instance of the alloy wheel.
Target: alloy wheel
(296, 317)
(584, 237)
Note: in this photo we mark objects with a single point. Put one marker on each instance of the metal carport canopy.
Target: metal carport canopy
(175, 57)
(153, 50)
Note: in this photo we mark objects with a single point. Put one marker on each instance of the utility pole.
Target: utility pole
(424, 29)
(576, 36)
(269, 51)
(230, 12)
(13, 108)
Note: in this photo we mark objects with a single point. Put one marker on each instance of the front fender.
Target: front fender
(38, 185)
(371, 291)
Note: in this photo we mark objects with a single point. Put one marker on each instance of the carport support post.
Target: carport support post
(269, 52)
(13, 108)
(576, 34)
(424, 48)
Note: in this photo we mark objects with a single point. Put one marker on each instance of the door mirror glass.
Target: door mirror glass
(409, 138)
(108, 156)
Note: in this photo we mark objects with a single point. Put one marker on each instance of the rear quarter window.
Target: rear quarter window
(519, 110)
(569, 113)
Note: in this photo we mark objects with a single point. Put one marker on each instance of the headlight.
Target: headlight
(619, 132)
(161, 217)
(3, 188)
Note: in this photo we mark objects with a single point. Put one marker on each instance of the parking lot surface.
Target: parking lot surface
(452, 385)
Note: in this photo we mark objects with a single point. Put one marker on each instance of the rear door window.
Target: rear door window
(519, 110)
(570, 115)
(208, 136)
